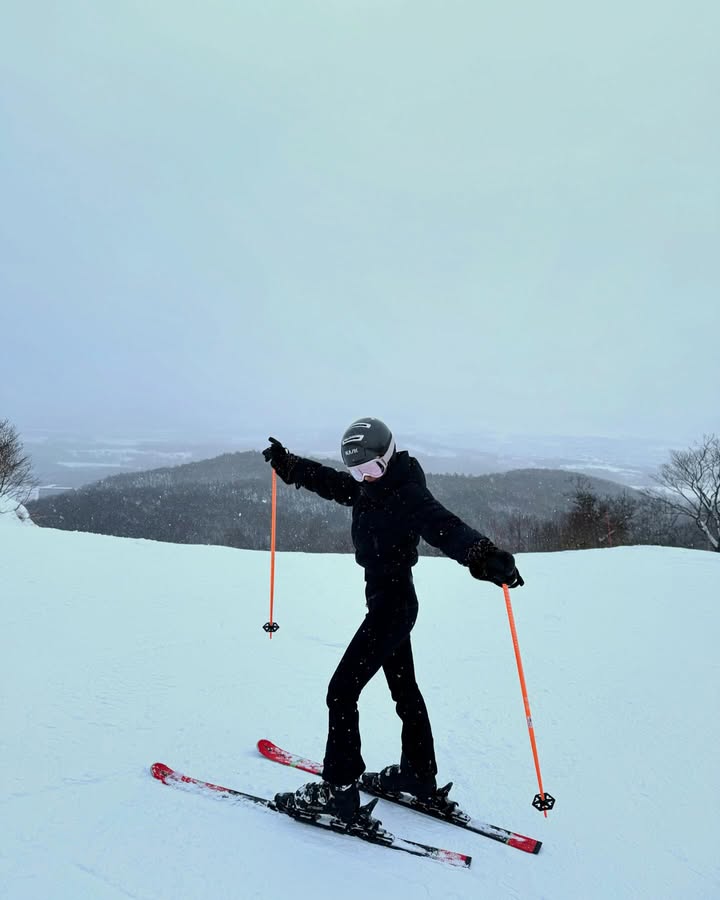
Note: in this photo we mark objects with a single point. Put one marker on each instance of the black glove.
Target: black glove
(280, 459)
(487, 563)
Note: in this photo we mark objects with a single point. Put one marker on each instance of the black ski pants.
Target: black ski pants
(381, 642)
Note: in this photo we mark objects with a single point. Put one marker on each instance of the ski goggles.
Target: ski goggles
(375, 468)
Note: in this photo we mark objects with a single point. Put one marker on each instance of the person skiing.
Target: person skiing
(391, 509)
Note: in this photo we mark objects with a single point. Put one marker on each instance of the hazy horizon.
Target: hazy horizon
(278, 217)
(254, 436)
(66, 460)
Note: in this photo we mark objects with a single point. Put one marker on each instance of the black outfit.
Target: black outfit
(388, 518)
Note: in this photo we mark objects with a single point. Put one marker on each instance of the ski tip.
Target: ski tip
(265, 746)
(160, 771)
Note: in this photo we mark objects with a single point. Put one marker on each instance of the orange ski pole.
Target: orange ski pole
(271, 627)
(542, 801)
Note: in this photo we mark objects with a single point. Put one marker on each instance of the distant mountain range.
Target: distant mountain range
(64, 461)
(538, 492)
(225, 500)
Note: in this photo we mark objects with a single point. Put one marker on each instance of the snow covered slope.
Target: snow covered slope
(13, 513)
(116, 653)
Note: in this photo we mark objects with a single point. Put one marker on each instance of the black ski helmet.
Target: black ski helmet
(365, 440)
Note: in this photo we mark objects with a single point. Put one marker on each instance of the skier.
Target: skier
(391, 509)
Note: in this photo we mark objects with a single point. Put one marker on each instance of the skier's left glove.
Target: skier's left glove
(487, 563)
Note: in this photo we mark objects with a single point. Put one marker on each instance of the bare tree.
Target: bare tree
(16, 478)
(691, 486)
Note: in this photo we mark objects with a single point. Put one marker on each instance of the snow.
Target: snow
(13, 513)
(117, 653)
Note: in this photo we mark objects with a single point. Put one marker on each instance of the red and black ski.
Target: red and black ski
(462, 820)
(375, 835)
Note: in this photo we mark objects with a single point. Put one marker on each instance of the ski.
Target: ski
(376, 835)
(512, 839)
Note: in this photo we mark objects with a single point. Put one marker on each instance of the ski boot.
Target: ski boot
(425, 793)
(320, 798)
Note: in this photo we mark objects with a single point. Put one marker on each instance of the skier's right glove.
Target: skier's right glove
(281, 460)
(487, 563)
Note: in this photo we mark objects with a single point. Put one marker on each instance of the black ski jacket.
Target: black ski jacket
(389, 516)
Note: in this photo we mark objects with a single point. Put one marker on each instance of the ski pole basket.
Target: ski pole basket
(543, 802)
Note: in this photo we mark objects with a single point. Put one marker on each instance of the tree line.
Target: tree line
(238, 515)
(225, 501)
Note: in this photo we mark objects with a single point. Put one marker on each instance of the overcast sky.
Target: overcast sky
(451, 215)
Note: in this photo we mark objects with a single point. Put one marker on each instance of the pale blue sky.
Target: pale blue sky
(456, 215)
